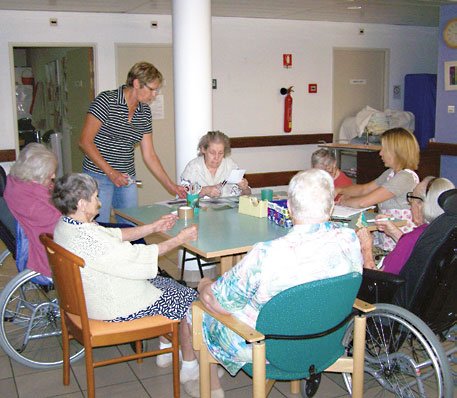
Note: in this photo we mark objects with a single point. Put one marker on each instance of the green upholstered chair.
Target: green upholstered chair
(299, 332)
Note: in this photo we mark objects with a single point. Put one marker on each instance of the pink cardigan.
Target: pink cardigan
(30, 204)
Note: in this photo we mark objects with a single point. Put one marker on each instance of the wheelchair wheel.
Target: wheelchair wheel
(450, 346)
(30, 331)
(403, 357)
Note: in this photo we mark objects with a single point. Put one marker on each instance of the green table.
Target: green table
(221, 233)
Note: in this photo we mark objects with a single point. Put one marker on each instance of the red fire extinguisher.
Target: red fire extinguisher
(287, 108)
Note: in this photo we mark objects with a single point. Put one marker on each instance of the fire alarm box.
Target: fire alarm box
(312, 88)
(287, 60)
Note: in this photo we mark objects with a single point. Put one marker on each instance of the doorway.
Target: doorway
(359, 79)
(54, 87)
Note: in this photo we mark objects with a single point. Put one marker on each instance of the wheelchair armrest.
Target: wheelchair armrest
(379, 287)
(363, 306)
(246, 332)
(371, 275)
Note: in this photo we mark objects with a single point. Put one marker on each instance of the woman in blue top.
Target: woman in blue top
(116, 121)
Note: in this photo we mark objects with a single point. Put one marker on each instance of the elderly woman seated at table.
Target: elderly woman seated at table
(325, 160)
(212, 168)
(120, 279)
(314, 249)
(424, 208)
(28, 197)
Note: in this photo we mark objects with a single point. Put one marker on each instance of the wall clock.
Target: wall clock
(450, 33)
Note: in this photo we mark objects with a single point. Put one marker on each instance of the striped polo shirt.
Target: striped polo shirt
(117, 137)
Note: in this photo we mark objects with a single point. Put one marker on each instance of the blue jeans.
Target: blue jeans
(110, 195)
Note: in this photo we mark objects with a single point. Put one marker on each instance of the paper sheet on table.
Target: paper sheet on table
(235, 176)
(344, 211)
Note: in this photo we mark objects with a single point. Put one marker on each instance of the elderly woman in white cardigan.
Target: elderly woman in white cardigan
(120, 279)
(212, 167)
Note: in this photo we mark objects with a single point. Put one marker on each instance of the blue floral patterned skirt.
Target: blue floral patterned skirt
(173, 303)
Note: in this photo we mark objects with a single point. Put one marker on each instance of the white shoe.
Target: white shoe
(192, 388)
(165, 360)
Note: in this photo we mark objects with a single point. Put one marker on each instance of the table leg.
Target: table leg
(226, 264)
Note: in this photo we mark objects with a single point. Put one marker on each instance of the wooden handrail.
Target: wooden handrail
(7, 155)
(279, 140)
(443, 148)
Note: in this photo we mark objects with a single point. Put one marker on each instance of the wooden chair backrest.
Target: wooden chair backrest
(65, 267)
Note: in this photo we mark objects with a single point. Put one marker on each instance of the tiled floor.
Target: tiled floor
(127, 379)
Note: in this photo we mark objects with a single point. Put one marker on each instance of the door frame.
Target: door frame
(12, 45)
(386, 75)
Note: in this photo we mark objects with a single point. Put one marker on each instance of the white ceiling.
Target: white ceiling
(392, 12)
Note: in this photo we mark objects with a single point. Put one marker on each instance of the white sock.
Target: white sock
(189, 364)
(164, 345)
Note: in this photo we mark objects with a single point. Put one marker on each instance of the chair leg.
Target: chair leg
(175, 356)
(359, 356)
(205, 382)
(258, 371)
(295, 386)
(65, 351)
(183, 262)
(89, 372)
(139, 349)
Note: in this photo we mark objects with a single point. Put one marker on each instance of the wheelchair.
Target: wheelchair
(30, 330)
(411, 337)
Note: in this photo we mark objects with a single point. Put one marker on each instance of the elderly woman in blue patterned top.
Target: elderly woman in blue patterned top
(314, 249)
(116, 121)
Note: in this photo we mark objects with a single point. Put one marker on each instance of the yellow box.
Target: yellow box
(252, 206)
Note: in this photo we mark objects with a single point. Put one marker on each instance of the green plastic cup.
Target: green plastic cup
(267, 194)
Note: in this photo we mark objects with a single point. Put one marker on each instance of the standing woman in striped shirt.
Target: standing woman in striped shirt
(116, 121)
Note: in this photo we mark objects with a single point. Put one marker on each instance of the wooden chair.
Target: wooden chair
(92, 333)
(299, 332)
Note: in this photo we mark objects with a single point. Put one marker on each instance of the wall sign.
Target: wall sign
(358, 81)
(450, 75)
(287, 61)
(312, 88)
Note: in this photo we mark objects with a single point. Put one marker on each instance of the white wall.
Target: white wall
(100, 30)
(247, 62)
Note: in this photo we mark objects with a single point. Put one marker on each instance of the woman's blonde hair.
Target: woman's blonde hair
(403, 145)
(145, 73)
(214, 136)
(36, 163)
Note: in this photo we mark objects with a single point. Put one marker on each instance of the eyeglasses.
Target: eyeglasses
(410, 197)
(153, 90)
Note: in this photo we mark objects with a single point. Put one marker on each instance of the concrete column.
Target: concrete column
(192, 76)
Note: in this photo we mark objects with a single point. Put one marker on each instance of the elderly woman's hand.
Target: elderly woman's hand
(188, 234)
(366, 242)
(243, 184)
(213, 191)
(365, 238)
(164, 223)
(388, 227)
